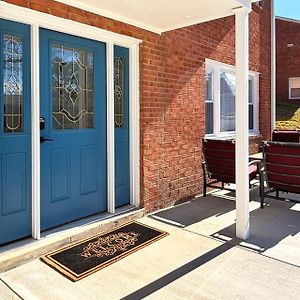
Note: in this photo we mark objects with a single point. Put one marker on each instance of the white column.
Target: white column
(134, 123)
(242, 116)
(110, 129)
(273, 66)
(35, 131)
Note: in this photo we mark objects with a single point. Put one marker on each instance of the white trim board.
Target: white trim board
(39, 20)
(29, 16)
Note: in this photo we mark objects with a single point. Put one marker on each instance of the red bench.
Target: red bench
(219, 164)
(281, 169)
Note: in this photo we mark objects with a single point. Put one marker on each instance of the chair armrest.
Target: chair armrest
(256, 161)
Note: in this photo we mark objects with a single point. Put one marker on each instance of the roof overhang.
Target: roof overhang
(160, 15)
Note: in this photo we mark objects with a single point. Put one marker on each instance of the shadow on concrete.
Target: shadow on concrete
(195, 211)
(178, 273)
(276, 226)
(268, 226)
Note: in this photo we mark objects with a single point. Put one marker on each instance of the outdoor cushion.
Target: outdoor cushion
(253, 171)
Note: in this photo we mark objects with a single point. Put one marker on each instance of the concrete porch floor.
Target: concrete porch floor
(199, 259)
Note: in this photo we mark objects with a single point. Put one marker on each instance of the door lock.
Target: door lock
(42, 123)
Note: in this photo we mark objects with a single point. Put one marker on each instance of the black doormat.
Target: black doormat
(90, 255)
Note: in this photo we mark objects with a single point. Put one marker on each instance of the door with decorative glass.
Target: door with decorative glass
(121, 95)
(73, 128)
(15, 139)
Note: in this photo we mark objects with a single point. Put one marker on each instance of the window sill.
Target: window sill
(252, 135)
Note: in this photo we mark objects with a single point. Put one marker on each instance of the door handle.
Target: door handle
(43, 140)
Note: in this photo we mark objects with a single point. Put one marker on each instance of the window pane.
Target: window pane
(250, 90)
(251, 117)
(209, 117)
(227, 101)
(208, 86)
(13, 83)
(295, 93)
(295, 82)
(72, 88)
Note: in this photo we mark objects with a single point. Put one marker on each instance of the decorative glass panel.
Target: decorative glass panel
(227, 101)
(72, 88)
(13, 83)
(119, 91)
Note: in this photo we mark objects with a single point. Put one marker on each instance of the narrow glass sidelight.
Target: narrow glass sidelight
(13, 83)
(119, 91)
(72, 88)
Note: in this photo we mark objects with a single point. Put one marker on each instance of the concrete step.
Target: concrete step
(21, 252)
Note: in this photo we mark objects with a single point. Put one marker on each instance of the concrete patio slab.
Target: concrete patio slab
(18, 253)
(183, 265)
(274, 230)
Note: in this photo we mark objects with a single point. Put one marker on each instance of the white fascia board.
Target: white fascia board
(110, 15)
(29, 16)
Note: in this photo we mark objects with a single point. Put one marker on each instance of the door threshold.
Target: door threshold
(20, 252)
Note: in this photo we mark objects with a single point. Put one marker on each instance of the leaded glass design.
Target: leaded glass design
(119, 91)
(72, 88)
(13, 83)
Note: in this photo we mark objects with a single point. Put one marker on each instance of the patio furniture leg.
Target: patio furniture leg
(261, 189)
(262, 197)
(204, 180)
(222, 185)
(277, 194)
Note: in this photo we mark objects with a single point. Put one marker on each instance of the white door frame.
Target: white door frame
(39, 20)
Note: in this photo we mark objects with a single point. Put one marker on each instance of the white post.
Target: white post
(35, 129)
(241, 120)
(134, 133)
(110, 130)
(273, 66)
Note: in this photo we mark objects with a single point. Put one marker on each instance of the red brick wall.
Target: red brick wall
(287, 58)
(172, 116)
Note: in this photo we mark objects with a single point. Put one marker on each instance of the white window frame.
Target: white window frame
(217, 68)
(290, 88)
(209, 70)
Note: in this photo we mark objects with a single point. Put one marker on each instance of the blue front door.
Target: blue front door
(15, 139)
(73, 128)
(121, 91)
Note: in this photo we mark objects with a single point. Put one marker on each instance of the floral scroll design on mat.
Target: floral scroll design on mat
(109, 245)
